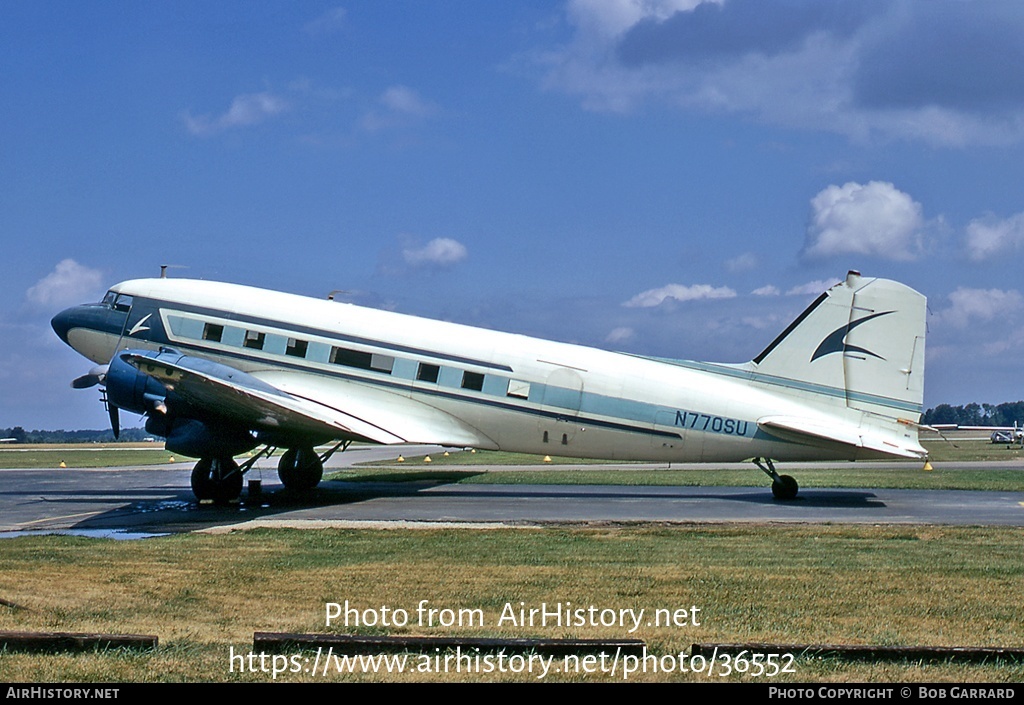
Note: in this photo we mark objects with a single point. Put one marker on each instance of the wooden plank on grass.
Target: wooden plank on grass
(68, 641)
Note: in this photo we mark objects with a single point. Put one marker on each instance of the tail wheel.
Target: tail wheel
(219, 479)
(300, 469)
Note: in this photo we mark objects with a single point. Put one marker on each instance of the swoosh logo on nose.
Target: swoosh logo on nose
(139, 326)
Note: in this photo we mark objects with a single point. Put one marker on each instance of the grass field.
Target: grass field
(205, 595)
(86, 455)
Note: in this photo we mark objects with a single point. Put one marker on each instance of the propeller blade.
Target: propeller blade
(97, 375)
(85, 381)
(115, 421)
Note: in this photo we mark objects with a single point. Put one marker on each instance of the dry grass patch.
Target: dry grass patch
(202, 594)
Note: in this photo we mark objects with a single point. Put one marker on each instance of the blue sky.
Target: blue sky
(664, 177)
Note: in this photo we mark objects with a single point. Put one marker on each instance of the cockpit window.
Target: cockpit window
(116, 301)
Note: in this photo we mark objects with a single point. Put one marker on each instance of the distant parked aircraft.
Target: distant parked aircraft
(1006, 434)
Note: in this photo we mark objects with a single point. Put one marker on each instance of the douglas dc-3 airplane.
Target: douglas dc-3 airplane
(219, 369)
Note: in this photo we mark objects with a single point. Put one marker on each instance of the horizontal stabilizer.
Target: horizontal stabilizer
(840, 437)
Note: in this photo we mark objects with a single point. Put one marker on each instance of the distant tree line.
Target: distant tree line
(1005, 414)
(20, 435)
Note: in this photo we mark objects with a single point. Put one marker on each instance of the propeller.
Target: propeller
(115, 421)
(98, 376)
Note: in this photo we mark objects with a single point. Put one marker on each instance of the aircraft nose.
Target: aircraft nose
(63, 322)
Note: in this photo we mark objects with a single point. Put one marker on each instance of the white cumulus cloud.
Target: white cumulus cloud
(742, 263)
(330, 21)
(941, 71)
(990, 237)
(613, 17)
(875, 219)
(402, 99)
(439, 252)
(621, 334)
(247, 109)
(968, 305)
(679, 292)
(812, 288)
(68, 283)
(401, 106)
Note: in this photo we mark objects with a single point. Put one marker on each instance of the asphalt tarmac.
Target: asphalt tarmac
(138, 501)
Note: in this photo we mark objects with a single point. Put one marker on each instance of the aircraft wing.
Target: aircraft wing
(353, 411)
(815, 433)
(406, 418)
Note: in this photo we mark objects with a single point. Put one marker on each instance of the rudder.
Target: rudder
(861, 344)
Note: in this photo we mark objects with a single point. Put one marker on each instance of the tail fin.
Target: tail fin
(861, 343)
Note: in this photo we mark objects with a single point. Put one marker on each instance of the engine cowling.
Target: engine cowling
(129, 388)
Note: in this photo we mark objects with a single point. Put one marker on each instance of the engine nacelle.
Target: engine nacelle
(129, 389)
(199, 439)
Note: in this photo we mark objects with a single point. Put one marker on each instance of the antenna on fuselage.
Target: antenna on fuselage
(165, 267)
(330, 296)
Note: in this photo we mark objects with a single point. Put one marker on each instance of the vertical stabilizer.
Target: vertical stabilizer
(861, 343)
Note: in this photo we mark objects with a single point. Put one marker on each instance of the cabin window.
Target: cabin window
(382, 363)
(296, 347)
(518, 389)
(255, 339)
(428, 373)
(213, 332)
(350, 358)
(473, 380)
(362, 360)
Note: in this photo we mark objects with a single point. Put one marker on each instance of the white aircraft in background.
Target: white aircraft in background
(1006, 434)
(219, 369)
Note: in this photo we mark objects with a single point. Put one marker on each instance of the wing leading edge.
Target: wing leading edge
(286, 403)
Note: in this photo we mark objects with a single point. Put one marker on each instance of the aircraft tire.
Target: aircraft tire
(217, 478)
(300, 469)
(785, 488)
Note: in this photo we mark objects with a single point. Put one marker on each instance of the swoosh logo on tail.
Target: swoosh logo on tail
(836, 340)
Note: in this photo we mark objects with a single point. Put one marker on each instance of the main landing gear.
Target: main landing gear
(300, 469)
(220, 478)
(784, 487)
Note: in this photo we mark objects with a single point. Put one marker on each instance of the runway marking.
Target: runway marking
(67, 516)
